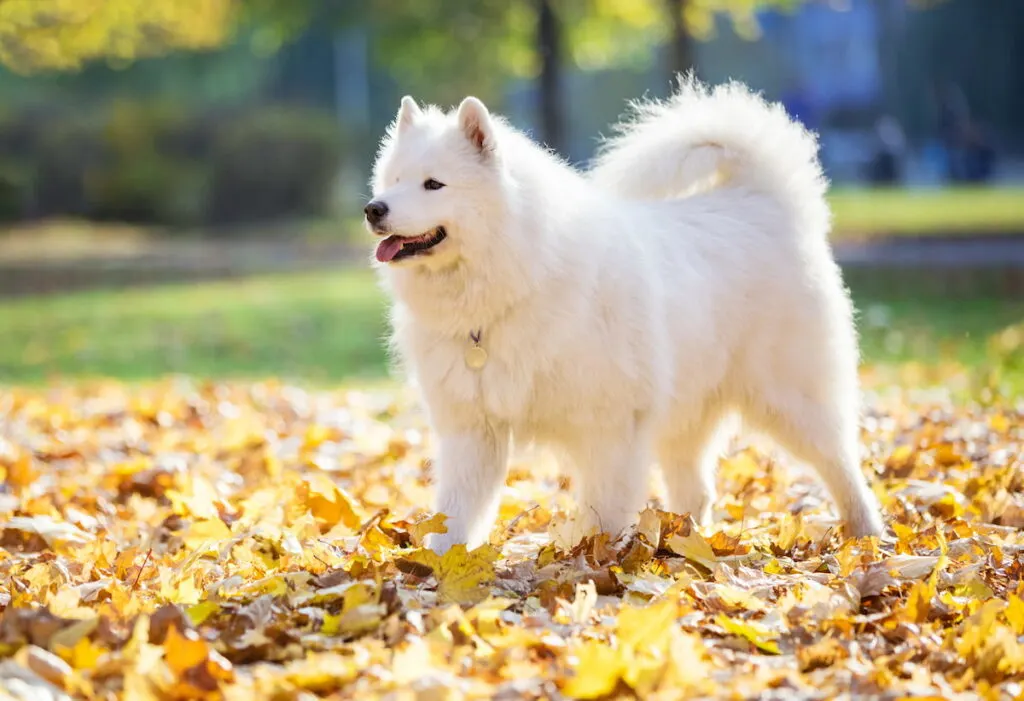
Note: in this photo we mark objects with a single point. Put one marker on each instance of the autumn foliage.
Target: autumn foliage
(229, 541)
(63, 34)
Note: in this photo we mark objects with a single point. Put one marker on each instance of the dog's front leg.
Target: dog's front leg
(471, 468)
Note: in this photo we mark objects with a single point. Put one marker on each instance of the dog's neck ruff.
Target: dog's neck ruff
(476, 355)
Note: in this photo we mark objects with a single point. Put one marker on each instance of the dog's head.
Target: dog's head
(436, 185)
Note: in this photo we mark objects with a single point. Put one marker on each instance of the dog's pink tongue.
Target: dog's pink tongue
(388, 248)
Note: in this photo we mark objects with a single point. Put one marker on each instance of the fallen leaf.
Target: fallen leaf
(462, 577)
(691, 545)
(596, 672)
(183, 651)
(761, 636)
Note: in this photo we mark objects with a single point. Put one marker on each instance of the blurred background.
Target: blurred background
(181, 180)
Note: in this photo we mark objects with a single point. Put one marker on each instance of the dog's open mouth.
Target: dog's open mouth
(398, 247)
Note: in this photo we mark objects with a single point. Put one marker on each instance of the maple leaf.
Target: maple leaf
(462, 577)
(330, 504)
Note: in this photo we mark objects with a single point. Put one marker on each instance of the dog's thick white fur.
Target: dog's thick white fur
(627, 312)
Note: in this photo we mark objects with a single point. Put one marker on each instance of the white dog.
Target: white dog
(619, 316)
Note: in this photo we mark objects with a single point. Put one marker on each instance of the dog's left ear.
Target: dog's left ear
(475, 122)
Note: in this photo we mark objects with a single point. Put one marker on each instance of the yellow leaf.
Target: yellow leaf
(486, 616)
(646, 627)
(412, 662)
(206, 531)
(317, 435)
(198, 613)
(65, 603)
(790, 529)
(974, 588)
(21, 473)
(275, 585)
(321, 672)
(598, 669)
(905, 535)
(355, 621)
(419, 530)
(693, 547)
(199, 501)
(757, 633)
(649, 526)
(329, 504)
(184, 592)
(377, 544)
(978, 628)
(688, 660)
(1015, 614)
(919, 602)
(583, 604)
(547, 555)
(734, 597)
(183, 652)
(999, 423)
(82, 655)
(462, 577)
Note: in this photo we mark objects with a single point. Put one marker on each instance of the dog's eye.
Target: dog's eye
(431, 184)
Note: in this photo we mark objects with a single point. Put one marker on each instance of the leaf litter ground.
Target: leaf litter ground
(259, 541)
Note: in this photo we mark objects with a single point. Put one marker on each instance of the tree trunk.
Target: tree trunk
(681, 50)
(549, 46)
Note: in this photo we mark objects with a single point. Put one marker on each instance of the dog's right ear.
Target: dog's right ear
(408, 113)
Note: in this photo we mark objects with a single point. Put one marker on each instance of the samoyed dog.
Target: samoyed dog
(622, 316)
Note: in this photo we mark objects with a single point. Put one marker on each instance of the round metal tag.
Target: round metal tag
(476, 357)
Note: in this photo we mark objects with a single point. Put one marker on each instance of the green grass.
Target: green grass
(871, 213)
(317, 327)
(931, 330)
(328, 327)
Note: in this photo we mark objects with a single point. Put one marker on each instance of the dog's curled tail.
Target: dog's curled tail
(702, 137)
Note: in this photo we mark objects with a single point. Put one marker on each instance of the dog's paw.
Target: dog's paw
(441, 543)
(867, 523)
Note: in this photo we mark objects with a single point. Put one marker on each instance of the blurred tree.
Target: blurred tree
(437, 48)
(549, 47)
(64, 34)
(681, 42)
(602, 33)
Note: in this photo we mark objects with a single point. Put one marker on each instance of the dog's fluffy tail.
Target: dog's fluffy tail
(705, 137)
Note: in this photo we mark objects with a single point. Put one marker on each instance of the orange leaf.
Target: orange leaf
(184, 651)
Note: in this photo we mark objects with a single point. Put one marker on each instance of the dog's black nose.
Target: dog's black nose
(375, 211)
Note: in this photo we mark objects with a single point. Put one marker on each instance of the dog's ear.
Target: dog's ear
(408, 113)
(475, 122)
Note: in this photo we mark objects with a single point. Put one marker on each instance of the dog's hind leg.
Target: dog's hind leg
(825, 436)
